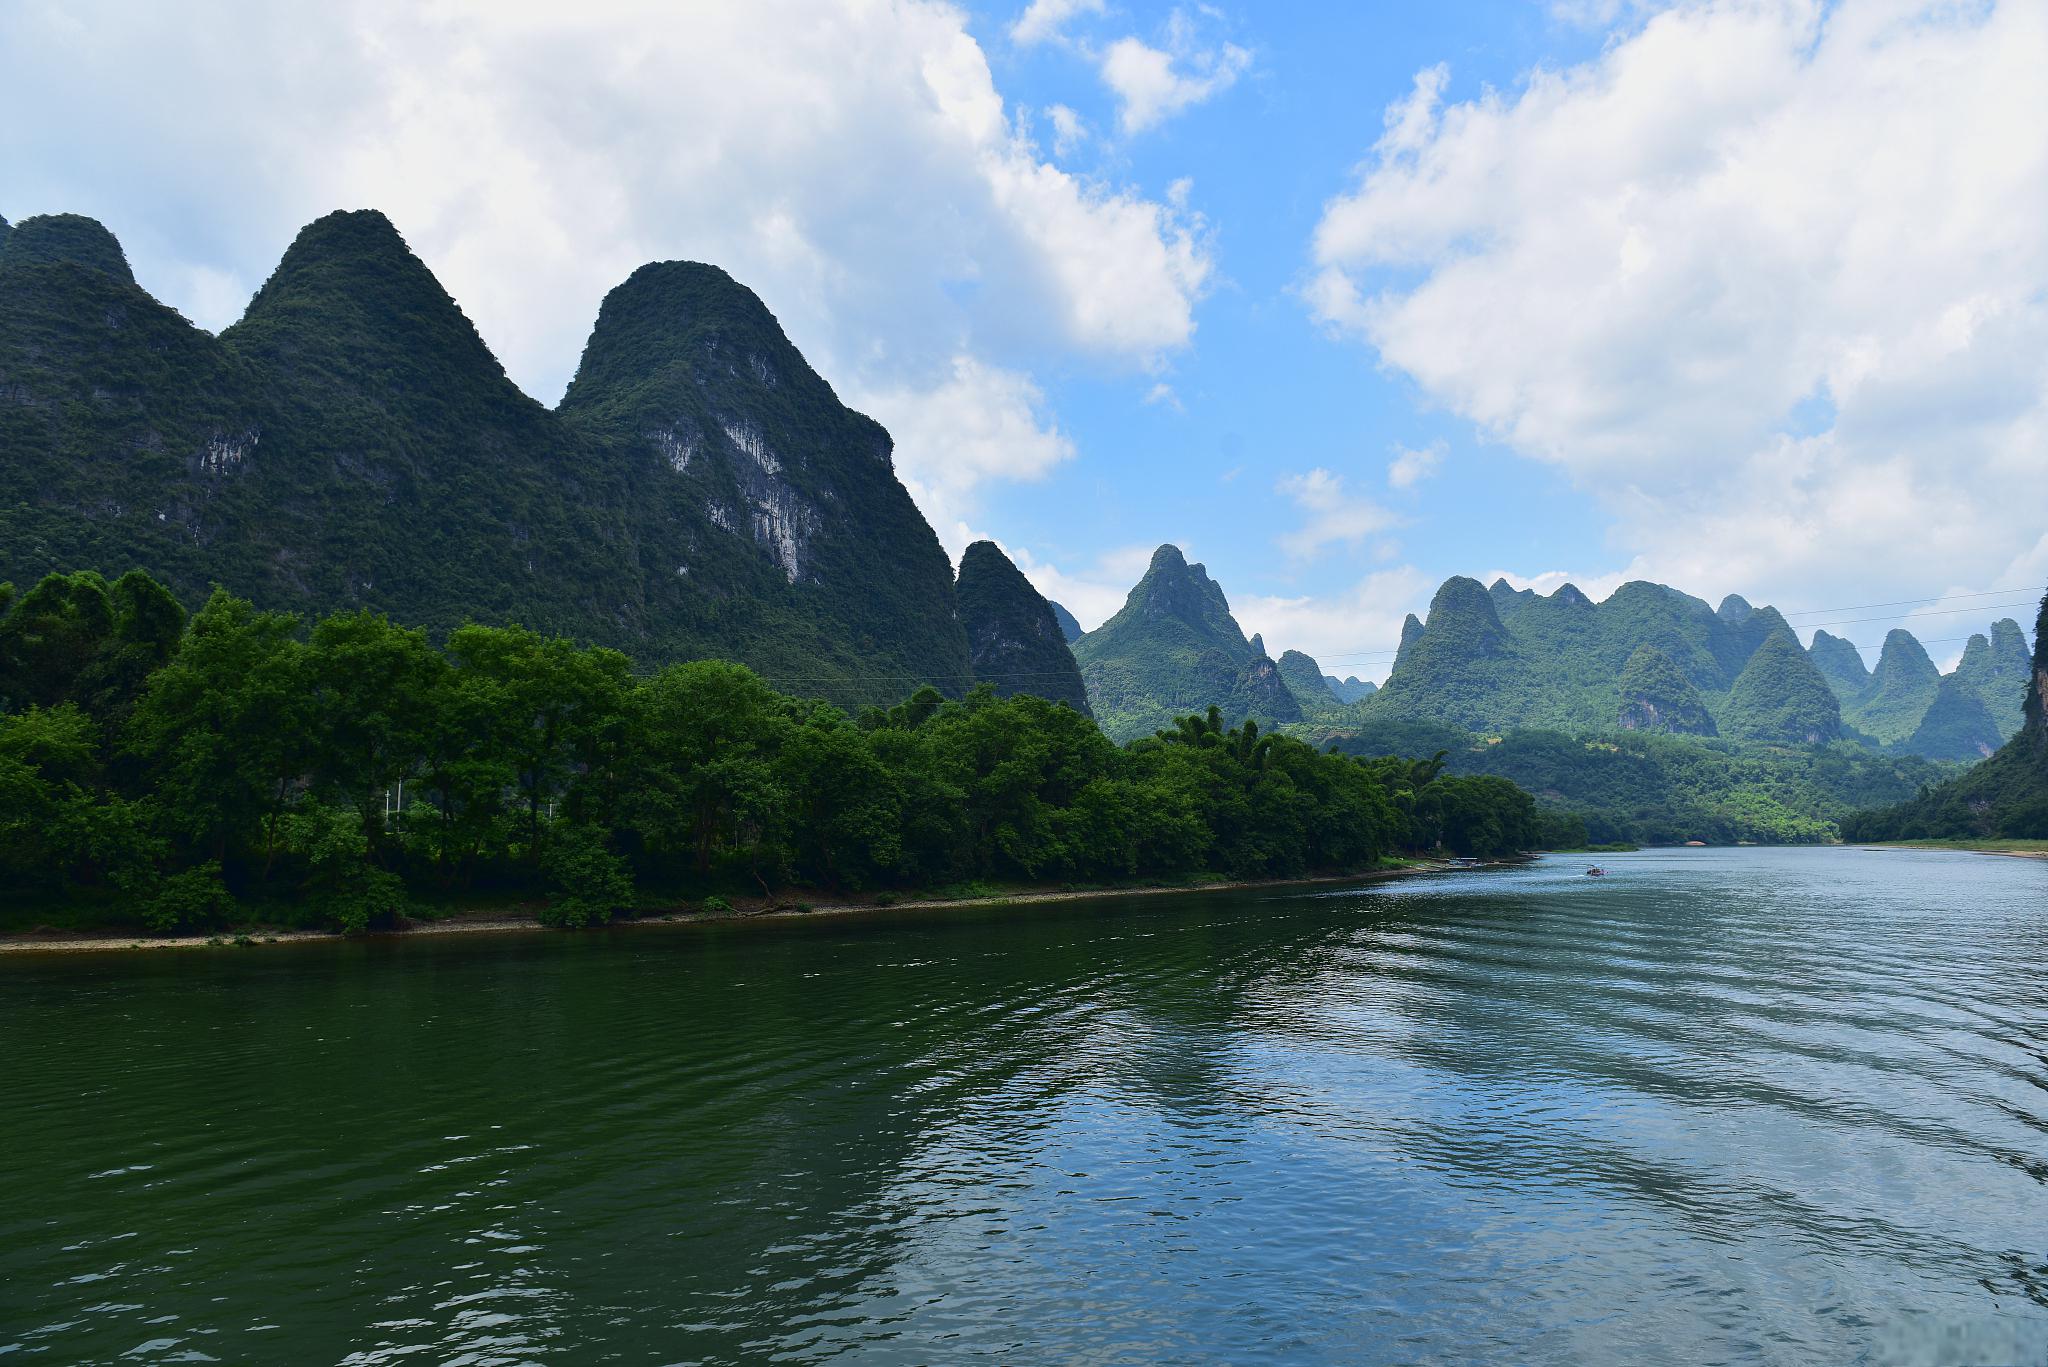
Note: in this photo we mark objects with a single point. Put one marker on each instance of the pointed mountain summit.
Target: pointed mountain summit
(2005, 797)
(751, 471)
(1461, 663)
(1069, 628)
(1174, 649)
(1351, 688)
(1656, 696)
(51, 239)
(1841, 664)
(1997, 670)
(1901, 689)
(1781, 698)
(1957, 725)
(1013, 639)
(1304, 679)
(352, 442)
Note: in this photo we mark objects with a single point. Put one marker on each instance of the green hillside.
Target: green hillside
(2005, 797)
(1780, 698)
(1350, 688)
(352, 442)
(1647, 788)
(1174, 648)
(1656, 696)
(1014, 642)
(1069, 628)
(1997, 669)
(1841, 664)
(1901, 689)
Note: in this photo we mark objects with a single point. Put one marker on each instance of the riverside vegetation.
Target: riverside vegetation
(187, 774)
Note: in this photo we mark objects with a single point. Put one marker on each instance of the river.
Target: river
(1720, 1106)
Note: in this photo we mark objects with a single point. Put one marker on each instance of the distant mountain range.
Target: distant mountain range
(1492, 660)
(352, 442)
(2005, 797)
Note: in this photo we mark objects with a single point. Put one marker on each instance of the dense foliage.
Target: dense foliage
(1174, 647)
(1014, 641)
(236, 765)
(1495, 659)
(2005, 797)
(1901, 689)
(352, 442)
(1780, 698)
(1657, 789)
(1656, 696)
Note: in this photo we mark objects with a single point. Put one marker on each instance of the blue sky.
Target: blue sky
(1748, 296)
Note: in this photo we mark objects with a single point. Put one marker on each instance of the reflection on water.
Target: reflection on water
(1720, 1106)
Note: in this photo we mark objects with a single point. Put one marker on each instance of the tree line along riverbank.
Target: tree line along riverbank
(180, 775)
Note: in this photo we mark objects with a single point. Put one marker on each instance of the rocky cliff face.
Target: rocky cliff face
(1014, 641)
(353, 442)
(1175, 649)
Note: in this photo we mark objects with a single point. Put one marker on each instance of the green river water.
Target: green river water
(1720, 1106)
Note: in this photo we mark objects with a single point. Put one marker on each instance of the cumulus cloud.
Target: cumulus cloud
(1411, 465)
(1092, 590)
(854, 163)
(1769, 278)
(1047, 19)
(979, 423)
(1332, 514)
(1152, 84)
(1353, 631)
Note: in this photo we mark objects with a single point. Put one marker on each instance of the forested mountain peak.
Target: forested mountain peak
(1734, 608)
(1069, 628)
(1174, 648)
(1656, 696)
(353, 442)
(50, 238)
(1841, 664)
(1350, 688)
(1957, 725)
(1304, 679)
(1998, 668)
(1780, 697)
(2004, 797)
(349, 307)
(1901, 689)
(1013, 640)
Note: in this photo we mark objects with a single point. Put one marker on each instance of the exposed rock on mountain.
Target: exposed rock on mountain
(1175, 649)
(1013, 638)
(353, 442)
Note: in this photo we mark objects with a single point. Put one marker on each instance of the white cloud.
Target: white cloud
(1332, 513)
(1047, 19)
(1595, 586)
(1351, 632)
(1411, 464)
(1093, 592)
(1153, 84)
(977, 425)
(1068, 130)
(852, 162)
(1767, 278)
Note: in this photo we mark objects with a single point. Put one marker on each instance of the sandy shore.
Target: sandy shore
(526, 923)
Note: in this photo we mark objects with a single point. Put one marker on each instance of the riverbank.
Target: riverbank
(2018, 849)
(525, 919)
